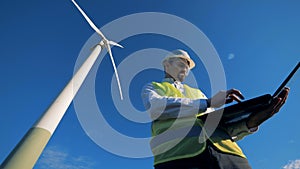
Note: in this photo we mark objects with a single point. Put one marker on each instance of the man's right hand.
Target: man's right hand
(224, 97)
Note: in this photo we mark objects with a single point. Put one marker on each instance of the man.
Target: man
(179, 139)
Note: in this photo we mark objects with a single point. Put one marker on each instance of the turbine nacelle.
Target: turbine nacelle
(106, 43)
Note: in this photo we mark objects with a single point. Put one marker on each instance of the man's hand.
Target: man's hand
(224, 97)
(256, 118)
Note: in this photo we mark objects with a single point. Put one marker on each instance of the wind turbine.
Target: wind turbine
(27, 151)
(103, 43)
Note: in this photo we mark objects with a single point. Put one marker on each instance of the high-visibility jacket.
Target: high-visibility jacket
(184, 137)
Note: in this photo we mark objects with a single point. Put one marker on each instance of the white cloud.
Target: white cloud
(295, 164)
(53, 158)
(230, 56)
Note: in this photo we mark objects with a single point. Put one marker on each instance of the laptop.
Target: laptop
(242, 110)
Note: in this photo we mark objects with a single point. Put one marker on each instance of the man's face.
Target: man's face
(178, 68)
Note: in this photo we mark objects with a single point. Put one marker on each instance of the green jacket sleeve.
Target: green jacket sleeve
(239, 130)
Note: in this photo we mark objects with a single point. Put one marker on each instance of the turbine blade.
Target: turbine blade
(115, 44)
(115, 69)
(106, 43)
(88, 20)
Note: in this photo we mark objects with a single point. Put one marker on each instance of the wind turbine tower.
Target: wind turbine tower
(29, 149)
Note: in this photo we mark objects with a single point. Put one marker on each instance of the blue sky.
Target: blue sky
(257, 42)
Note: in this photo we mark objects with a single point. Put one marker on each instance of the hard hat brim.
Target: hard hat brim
(191, 62)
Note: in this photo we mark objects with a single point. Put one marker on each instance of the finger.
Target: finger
(228, 100)
(276, 102)
(235, 98)
(235, 92)
(286, 88)
(277, 105)
(282, 98)
(284, 94)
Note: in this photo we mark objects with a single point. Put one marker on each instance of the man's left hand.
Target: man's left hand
(255, 119)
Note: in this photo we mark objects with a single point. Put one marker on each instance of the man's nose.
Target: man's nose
(186, 69)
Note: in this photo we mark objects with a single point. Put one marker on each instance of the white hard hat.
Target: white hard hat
(178, 53)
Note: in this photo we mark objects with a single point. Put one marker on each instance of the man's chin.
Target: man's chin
(181, 78)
